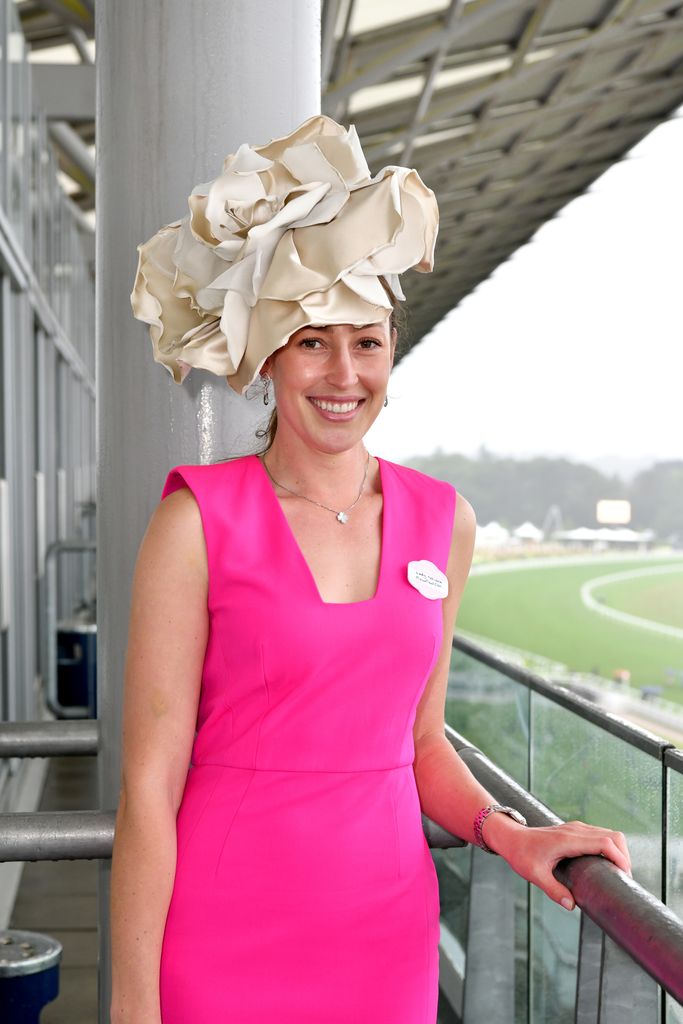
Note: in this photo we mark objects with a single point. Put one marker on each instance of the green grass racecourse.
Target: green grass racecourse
(553, 610)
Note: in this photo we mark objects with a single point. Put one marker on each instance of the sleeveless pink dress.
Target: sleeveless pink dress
(305, 891)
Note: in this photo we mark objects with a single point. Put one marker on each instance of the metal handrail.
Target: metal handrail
(50, 738)
(56, 835)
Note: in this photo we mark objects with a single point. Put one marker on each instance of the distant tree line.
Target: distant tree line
(514, 490)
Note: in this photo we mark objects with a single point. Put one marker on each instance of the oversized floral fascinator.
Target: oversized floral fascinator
(292, 233)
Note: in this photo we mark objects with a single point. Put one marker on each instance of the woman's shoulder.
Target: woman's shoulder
(190, 517)
(200, 476)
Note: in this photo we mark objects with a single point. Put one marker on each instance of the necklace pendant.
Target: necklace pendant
(342, 517)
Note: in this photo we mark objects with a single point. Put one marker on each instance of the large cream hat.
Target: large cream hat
(292, 233)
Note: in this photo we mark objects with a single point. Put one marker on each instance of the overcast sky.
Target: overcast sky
(574, 345)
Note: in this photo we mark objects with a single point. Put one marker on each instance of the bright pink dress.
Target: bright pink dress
(305, 891)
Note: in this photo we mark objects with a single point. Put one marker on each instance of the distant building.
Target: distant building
(494, 536)
(603, 538)
(527, 531)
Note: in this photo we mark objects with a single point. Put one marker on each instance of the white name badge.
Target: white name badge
(428, 579)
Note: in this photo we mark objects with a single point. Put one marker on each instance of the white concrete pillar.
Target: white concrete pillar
(179, 86)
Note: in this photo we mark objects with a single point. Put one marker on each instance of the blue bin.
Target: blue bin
(29, 975)
(77, 667)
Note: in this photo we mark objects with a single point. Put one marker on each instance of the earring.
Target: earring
(386, 400)
(266, 389)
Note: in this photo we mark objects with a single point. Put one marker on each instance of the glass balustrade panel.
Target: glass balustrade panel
(491, 711)
(585, 773)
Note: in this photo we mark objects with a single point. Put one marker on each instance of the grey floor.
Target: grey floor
(60, 898)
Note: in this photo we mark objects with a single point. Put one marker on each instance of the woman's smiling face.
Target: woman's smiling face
(330, 382)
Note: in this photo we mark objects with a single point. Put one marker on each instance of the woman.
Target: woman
(296, 607)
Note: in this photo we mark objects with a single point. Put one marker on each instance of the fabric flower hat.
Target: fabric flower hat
(292, 233)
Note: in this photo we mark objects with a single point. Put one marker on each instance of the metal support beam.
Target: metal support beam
(71, 12)
(524, 45)
(421, 45)
(341, 56)
(490, 954)
(22, 276)
(435, 65)
(587, 1006)
(461, 100)
(179, 86)
(330, 14)
(80, 41)
(80, 161)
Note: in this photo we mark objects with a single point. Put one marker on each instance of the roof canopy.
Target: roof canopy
(508, 108)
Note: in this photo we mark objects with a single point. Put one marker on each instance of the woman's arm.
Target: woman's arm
(449, 793)
(168, 630)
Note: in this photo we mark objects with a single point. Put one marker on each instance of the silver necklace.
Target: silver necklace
(341, 516)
